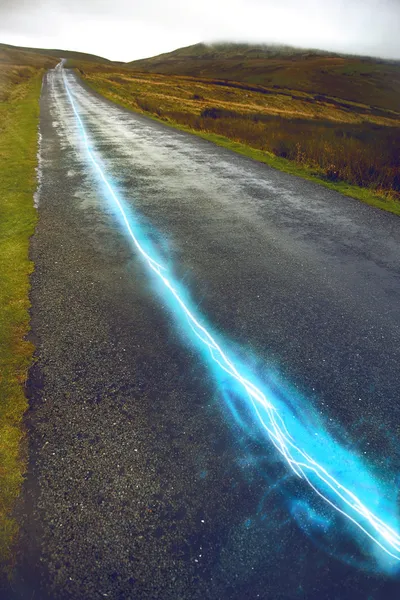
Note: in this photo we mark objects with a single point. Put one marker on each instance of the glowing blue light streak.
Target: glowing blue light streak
(304, 466)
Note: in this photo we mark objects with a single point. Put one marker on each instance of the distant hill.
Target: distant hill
(11, 55)
(372, 81)
(225, 51)
(25, 54)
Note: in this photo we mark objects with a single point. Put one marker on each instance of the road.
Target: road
(142, 483)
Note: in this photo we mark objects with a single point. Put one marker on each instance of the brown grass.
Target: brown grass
(365, 80)
(342, 140)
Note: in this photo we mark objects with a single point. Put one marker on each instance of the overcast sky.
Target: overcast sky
(130, 29)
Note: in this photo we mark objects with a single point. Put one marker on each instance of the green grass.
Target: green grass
(19, 116)
(157, 99)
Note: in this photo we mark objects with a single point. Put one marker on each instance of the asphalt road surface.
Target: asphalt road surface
(141, 483)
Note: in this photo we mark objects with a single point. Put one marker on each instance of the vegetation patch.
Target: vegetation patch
(19, 115)
(351, 147)
(373, 81)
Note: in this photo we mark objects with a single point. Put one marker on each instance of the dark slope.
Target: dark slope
(16, 51)
(361, 79)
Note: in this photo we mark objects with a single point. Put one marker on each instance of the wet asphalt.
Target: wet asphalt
(140, 485)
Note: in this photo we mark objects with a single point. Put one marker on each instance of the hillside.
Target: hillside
(370, 81)
(11, 55)
(18, 66)
(26, 55)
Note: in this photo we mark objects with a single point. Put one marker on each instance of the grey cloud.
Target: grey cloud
(127, 29)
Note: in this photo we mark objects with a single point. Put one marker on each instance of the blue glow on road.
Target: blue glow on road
(334, 474)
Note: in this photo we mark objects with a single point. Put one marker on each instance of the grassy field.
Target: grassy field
(30, 55)
(348, 146)
(20, 86)
(13, 58)
(371, 81)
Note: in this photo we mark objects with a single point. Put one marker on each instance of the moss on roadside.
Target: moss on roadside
(19, 116)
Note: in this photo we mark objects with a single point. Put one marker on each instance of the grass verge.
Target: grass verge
(359, 193)
(120, 94)
(19, 116)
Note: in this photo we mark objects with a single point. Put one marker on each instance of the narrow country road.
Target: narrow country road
(148, 478)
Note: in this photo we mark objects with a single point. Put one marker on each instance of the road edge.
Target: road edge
(364, 195)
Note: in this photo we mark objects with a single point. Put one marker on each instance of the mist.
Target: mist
(125, 30)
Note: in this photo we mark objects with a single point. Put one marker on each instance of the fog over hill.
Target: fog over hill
(124, 30)
(367, 80)
(360, 79)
